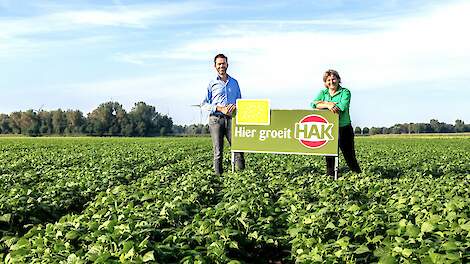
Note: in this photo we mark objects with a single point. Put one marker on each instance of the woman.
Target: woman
(336, 99)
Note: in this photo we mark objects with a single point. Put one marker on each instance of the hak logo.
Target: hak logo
(313, 131)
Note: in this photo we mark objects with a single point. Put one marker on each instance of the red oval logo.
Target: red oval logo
(313, 120)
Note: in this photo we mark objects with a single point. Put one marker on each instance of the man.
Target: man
(220, 101)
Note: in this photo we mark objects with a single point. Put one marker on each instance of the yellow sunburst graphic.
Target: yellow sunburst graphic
(253, 112)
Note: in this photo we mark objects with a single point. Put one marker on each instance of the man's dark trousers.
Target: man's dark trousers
(220, 126)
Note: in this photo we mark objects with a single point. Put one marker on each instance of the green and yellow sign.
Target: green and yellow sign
(256, 128)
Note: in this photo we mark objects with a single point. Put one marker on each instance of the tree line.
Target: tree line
(191, 130)
(108, 119)
(434, 126)
(111, 119)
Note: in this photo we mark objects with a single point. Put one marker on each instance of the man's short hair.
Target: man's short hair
(220, 56)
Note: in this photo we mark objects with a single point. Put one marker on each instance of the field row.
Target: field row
(156, 200)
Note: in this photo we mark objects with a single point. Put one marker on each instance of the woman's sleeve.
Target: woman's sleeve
(343, 104)
(318, 98)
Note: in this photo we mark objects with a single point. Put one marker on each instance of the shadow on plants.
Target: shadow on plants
(261, 253)
(388, 173)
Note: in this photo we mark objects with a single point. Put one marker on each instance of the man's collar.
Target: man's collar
(218, 77)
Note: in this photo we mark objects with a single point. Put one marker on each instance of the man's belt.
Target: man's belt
(219, 114)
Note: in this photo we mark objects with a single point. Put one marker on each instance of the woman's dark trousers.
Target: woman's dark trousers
(346, 144)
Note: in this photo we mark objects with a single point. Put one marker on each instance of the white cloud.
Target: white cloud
(138, 16)
(416, 52)
(148, 58)
(26, 35)
(268, 57)
(170, 92)
(135, 15)
(429, 47)
(149, 86)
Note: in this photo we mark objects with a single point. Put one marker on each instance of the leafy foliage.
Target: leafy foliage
(112, 200)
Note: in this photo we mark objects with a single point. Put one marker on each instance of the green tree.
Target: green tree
(107, 119)
(127, 127)
(122, 121)
(75, 122)
(192, 130)
(385, 130)
(424, 128)
(375, 130)
(142, 116)
(4, 124)
(436, 126)
(59, 121)
(357, 130)
(467, 128)
(205, 129)
(178, 129)
(365, 131)
(459, 126)
(164, 124)
(146, 121)
(414, 128)
(399, 129)
(15, 122)
(45, 122)
(29, 123)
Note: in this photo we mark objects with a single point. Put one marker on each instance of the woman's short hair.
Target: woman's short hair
(331, 72)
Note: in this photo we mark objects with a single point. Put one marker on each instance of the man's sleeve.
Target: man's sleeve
(207, 104)
(318, 98)
(343, 104)
(239, 91)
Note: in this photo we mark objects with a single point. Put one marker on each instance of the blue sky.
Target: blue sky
(404, 61)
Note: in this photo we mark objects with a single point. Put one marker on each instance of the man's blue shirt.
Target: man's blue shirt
(220, 93)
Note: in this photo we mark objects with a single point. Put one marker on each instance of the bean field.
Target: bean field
(156, 200)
